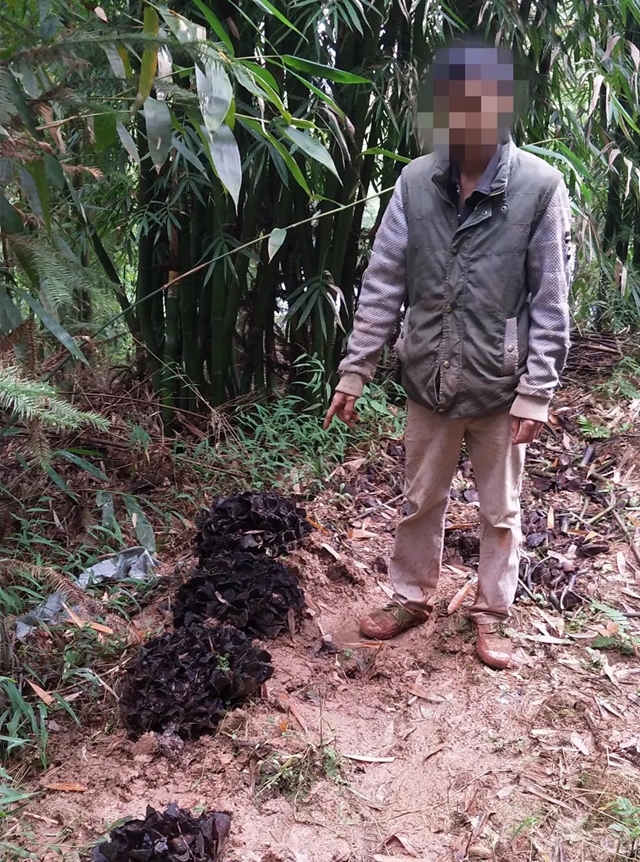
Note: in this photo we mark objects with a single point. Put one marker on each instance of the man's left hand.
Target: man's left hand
(525, 430)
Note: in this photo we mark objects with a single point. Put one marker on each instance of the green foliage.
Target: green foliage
(622, 638)
(21, 725)
(10, 795)
(294, 775)
(625, 380)
(593, 432)
(282, 443)
(36, 400)
(627, 825)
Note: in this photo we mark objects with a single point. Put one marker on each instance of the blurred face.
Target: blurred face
(472, 113)
(471, 102)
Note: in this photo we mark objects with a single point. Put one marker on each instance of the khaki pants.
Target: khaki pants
(433, 445)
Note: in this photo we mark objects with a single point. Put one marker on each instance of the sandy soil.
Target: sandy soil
(413, 748)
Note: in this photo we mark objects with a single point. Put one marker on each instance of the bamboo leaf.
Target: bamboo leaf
(10, 317)
(225, 157)
(597, 85)
(214, 22)
(54, 327)
(127, 142)
(262, 73)
(379, 151)
(57, 479)
(84, 465)
(126, 62)
(318, 92)
(258, 129)
(158, 121)
(215, 93)
(312, 148)
(115, 60)
(149, 64)
(144, 530)
(268, 7)
(186, 153)
(104, 129)
(10, 221)
(39, 173)
(276, 238)
(321, 71)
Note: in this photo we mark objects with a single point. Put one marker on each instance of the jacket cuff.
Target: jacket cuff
(351, 384)
(530, 407)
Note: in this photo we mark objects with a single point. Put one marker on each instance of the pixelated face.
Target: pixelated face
(471, 100)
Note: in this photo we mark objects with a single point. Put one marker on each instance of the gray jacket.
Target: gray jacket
(487, 322)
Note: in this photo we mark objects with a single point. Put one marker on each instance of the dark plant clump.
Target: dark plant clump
(256, 594)
(175, 836)
(186, 681)
(255, 521)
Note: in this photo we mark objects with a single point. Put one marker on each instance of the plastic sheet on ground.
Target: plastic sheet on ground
(135, 563)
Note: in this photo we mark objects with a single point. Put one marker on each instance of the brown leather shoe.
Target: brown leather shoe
(390, 621)
(494, 649)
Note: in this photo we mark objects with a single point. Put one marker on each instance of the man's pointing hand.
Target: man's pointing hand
(344, 407)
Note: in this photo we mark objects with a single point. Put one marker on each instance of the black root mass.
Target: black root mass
(174, 836)
(186, 681)
(253, 593)
(254, 521)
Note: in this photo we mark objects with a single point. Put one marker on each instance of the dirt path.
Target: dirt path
(411, 749)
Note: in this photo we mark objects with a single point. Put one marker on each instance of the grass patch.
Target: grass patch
(294, 775)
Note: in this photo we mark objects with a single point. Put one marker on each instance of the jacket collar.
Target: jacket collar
(496, 174)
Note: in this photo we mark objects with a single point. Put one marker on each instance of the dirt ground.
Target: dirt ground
(404, 750)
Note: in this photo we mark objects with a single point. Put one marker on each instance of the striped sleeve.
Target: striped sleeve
(383, 292)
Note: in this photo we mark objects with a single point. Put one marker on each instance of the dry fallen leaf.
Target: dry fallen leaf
(42, 694)
(579, 743)
(331, 550)
(361, 534)
(404, 841)
(418, 690)
(622, 563)
(75, 619)
(293, 709)
(67, 787)
(318, 526)
(461, 595)
(98, 627)
(368, 758)
(102, 15)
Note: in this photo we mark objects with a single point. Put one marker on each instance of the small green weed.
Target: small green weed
(626, 827)
(295, 774)
(600, 432)
(624, 382)
(282, 444)
(21, 726)
(620, 637)
(223, 662)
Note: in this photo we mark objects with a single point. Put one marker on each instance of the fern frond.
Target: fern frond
(37, 448)
(35, 399)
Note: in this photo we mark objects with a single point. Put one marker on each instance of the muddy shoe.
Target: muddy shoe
(390, 621)
(494, 649)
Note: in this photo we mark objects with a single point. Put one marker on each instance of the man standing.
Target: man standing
(475, 244)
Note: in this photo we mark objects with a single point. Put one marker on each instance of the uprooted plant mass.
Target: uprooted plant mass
(319, 431)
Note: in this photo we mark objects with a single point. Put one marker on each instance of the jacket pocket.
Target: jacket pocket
(510, 346)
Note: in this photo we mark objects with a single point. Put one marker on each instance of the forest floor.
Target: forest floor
(412, 749)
